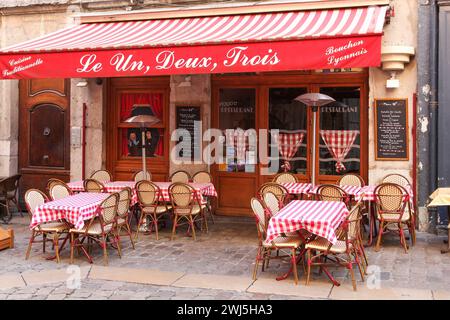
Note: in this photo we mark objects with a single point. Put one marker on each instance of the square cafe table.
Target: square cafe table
(297, 187)
(75, 209)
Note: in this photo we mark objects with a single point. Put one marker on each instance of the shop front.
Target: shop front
(230, 72)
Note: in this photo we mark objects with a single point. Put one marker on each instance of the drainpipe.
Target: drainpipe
(433, 104)
(424, 88)
(83, 143)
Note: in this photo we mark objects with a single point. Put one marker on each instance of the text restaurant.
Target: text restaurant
(244, 92)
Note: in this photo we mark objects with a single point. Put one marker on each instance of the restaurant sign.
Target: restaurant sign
(221, 58)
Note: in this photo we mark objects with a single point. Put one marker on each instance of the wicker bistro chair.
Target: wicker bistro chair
(202, 177)
(123, 210)
(186, 205)
(330, 192)
(8, 194)
(290, 244)
(397, 179)
(285, 177)
(101, 175)
(278, 190)
(351, 179)
(205, 177)
(101, 229)
(393, 208)
(92, 185)
(151, 204)
(33, 199)
(180, 176)
(140, 175)
(345, 252)
(58, 189)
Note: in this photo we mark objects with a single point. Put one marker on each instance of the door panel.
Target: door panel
(44, 129)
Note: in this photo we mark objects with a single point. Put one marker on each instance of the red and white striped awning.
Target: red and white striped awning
(323, 39)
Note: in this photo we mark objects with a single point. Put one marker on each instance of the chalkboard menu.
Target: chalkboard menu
(391, 129)
(186, 116)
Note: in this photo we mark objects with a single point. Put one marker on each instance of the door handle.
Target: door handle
(45, 158)
(46, 131)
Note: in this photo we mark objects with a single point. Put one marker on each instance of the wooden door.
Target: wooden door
(44, 132)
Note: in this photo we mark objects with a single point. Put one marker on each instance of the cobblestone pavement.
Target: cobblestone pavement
(228, 249)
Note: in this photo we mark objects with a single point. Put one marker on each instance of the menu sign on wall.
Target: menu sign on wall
(188, 118)
(391, 129)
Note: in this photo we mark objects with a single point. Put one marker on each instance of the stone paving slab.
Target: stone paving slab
(345, 292)
(208, 281)
(11, 281)
(317, 289)
(441, 295)
(33, 278)
(144, 276)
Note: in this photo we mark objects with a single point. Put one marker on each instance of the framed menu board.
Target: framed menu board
(186, 116)
(391, 129)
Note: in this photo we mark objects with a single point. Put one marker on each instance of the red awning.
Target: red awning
(324, 39)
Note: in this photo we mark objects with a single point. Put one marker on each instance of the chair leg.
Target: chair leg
(191, 222)
(129, 234)
(205, 221)
(56, 246)
(72, 244)
(308, 266)
(174, 227)
(380, 233)
(44, 242)
(33, 235)
(136, 236)
(258, 257)
(117, 240)
(294, 266)
(155, 223)
(350, 269)
(402, 238)
(358, 262)
(105, 252)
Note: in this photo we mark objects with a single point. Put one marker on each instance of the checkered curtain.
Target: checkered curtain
(238, 139)
(288, 144)
(339, 143)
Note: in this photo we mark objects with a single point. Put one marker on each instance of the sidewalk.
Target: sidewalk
(217, 266)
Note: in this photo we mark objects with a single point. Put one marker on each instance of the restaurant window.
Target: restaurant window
(236, 116)
(339, 131)
(134, 104)
(289, 117)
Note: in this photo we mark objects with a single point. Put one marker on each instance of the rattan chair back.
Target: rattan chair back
(330, 192)
(278, 190)
(101, 175)
(123, 206)
(285, 177)
(397, 179)
(354, 218)
(34, 198)
(92, 185)
(351, 179)
(260, 216)
(9, 186)
(108, 209)
(180, 176)
(59, 190)
(390, 198)
(202, 177)
(272, 203)
(140, 175)
(148, 193)
(182, 195)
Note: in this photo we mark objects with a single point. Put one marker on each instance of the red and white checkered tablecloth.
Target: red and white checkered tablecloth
(75, 209)
(350, 190)
(202, 189)
(297, 187)
(288, 144)
(76, 186)
(367, 193)
(321, 218)
(117, 186)
(339, 143)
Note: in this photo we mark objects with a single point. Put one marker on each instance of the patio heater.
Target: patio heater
(143, 121)
(314, 100)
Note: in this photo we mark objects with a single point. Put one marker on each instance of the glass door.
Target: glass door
(342, 127)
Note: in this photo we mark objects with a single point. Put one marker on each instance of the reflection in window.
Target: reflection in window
(339, 149)
(134, 104)
(236, 115)
(289, 117)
